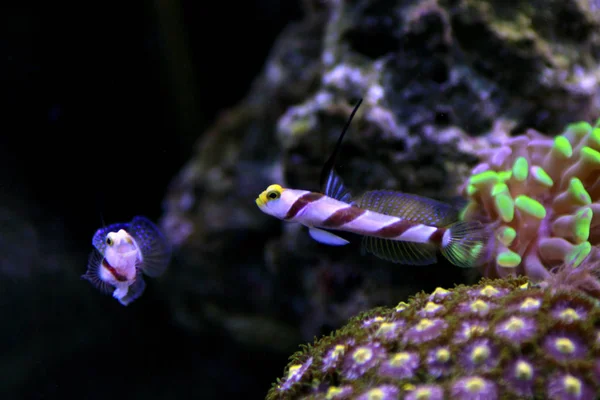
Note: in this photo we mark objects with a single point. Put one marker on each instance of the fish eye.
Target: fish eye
(273, 195)
(109, 241)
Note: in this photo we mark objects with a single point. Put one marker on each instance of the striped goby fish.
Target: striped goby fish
(395, 226)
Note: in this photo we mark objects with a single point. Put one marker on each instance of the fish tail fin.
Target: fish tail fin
(465, 244)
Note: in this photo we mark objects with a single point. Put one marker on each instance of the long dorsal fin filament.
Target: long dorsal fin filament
(331, 183)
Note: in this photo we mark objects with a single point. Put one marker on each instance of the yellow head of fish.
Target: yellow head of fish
(272, 193)
(276, 200)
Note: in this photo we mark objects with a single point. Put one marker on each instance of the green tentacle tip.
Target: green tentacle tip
(503, 176)
(577, 190)
(505, 206)
(508, 259)
(578, 253)
(590, 155)
(471, 190)
(541, 176)
(506, 235)
(520, 169)
(530, 206)
(580, 128)
(597, 124)
(563, 146)
(484, 178)
(583, 221)
(595, 137)
(498, 188)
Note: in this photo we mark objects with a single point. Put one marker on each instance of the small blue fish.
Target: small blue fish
(122, 253)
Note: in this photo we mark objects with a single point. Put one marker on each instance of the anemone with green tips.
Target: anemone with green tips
(541, 197)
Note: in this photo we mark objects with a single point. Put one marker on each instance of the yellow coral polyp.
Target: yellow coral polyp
(408, 387)
(523, 371)
(479, 354)
(475, 384)
(439, 292)
(540, 196)
(442, 355)
(422, 394)
(515, 324)
(475, 330)
(569, 315)
(386, 328)
(332, 392)
(479, 306)
(362, 355)
(294, 370)
(572, 385)
(338, 350)
(564, 345)
(530, 303)
(424, 324)
(399, 359)
(431, 307)
(375, 394)
(489, 291)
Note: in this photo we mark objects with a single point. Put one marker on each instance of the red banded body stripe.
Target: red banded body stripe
(388, 227)
(113, 271)
(302, 202)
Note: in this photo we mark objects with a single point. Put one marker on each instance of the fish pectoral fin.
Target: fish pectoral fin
(154, 247)
(325, 237)
(135, 290)
(92, 274)
(409, 253)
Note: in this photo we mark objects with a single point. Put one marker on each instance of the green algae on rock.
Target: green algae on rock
(503, 338)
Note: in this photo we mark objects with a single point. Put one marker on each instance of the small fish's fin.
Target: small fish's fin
(135, 290)
(409, 253)
(334, 187)
(465, 243)
(331, 183)
(325, 237)
(408, 206)
(154, 247)
(99, 239)
(92, 274)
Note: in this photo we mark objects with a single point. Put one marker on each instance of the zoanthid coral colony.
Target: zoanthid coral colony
(502, 338)
(541, 197)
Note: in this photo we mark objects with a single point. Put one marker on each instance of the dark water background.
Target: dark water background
(102, 104)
